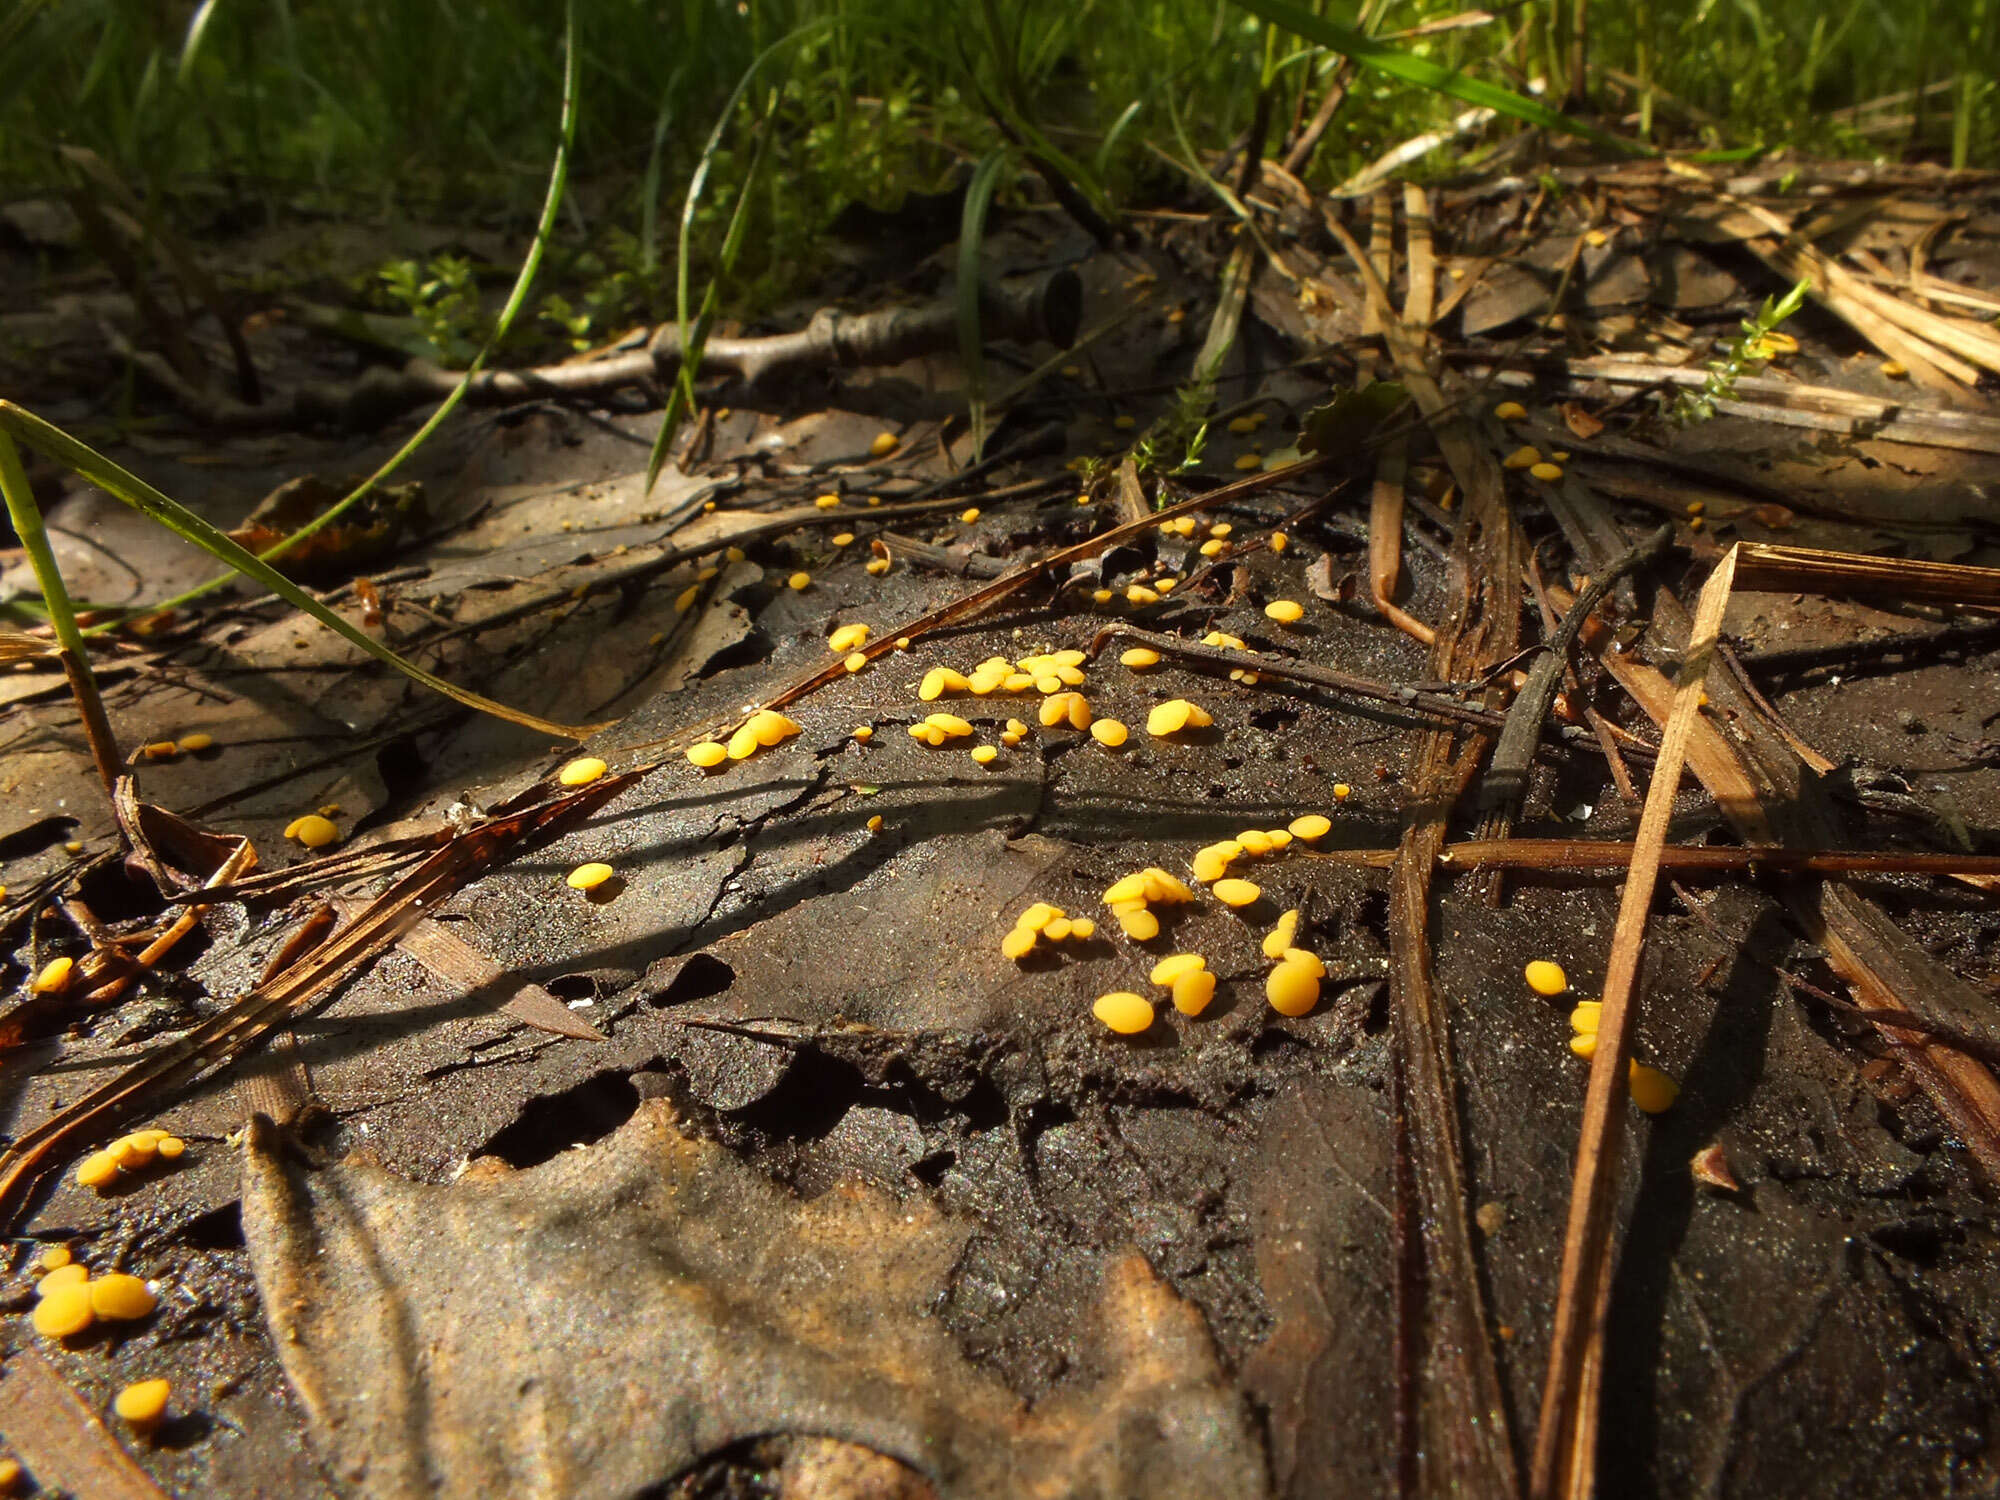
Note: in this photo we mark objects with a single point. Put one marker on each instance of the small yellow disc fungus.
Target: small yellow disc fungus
(582, 772)
(64, 1311)
(1311, 827)
(196, 742)
(1138, 593)
(876, 565)
(1126, 888)
(1236, 892)
(1019, 943)
(847, 638)
(875, 823)
(1254, 841)
(172, 1148)
(1175, 715)
(842, 539)
(1586, 1015)
(1895, 369)
(1522, 458)
(1210, 863)
(1124, 1012)
(1054, 709)
(1167, 970)
(55, 976)
(1102, 596)
(1161, 886)
(1139, 924)
(73, 1274)
(1285, 611)
(312, 830)
(771, 727)
(969, 514)
(742, 744)
(884, 445)
(1545, 977)
(985, 754)
(589, 877)
(1292, 989)
(1059, 929)
(941, 680)
(1310, 962)
(685, 599)
(1242, 425)
(1652, 1090)
(1249, 461)
(1510, 411)
(1547, 472)
(1278, 941)
(143, 1403)
(953, 726)
(708, 754)
(1278, 838)
(120, 1298)
(799, 582)
(855, 661)
(1192, 992)
(97, 1170)
(1082, 928)
(55, 1258)
(1109, 733)
(827, 502)
(1342, 791)
(1584, 1044)
(11, 1475)
(1139, 658)
(160, 750)
(864, 732)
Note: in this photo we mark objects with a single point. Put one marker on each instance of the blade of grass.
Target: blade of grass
(1425, 74)
(517, 299)
(971, 239)
(18, 422)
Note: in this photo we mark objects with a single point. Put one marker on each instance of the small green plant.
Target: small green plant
(1176, 440)
(441, 296)
(1749, 347)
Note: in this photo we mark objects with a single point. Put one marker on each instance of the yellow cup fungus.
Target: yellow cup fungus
(1586, 1016)
(1584, 1044)
(969, 514)
(1136, 922)
(195, 743)
(941, 680)
(143, 1403)
(1124, 1012)
(842, 539)
(1192, 992)
(119, 1298)
(1278, 941)
(848, 638)
(707, 754)
(1138, 593)
(1212, 861)
(1342, 791)
(75, 1273)
(1254, 841)
(55, 1258)
(1510, 411)
(160, 750)
(1652, 1090)
(1236, 892)
(799, 582)
(54, 977)
(985, 754)
(1285, 611)
(1312, 963)
(1545, 977)
(1167, 970)
(1522, 458)
(1139, 658)
(855, 661)
(1292, 989)
(1546, 471)
(582, 772)
(1019, 942)
(1175, 715)
(64, 1312)
(589, 877)
(1310, 827)
(11, 1475)
(1895, 369)
(1109, 733)
(1249, 461)
(312, 830)
(827, 502)
(884, 444)
(876, 565)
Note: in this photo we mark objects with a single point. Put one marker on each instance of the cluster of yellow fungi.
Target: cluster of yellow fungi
(1652, 1091)
(128, 1156)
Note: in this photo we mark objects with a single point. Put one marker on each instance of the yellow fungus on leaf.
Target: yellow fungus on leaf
(1652, 1090)
(589, 877)
(847, 638)
(1242, 425)
(842, 539)
(1124, 1012)
(55, 1258)
(1285, 611)
(1019, 943)
(1059, 929)
(985, 754)
(1082, 928)
(192, 743)
(1341, 791)
(1545, 977)
(1279, 541)
(875, 823)
(1192, 992)
(1210, 863)
(312, 830)
(1249, 461)
(1510, 411)
(799, 581)
(1109, 733)
(581, 772)
(771, 727)
(1278, 941)
(1278, 838)
(826, 502)
(11, 1474)
(855, 661)
(1584, 1044)
(1586, 1016)
(143, 1403)
(1895, 369)
(172, 1148)
(97, 1170)
(1163, 886)
(884, 445)
(64, 1312)
(160, 750)
(1236, 892)
(1167, 970)
(1311, 827)
(1175, 715)
(74, 1273)
(1292, 989)
(1312, 963)
(55, 976)
(941, 680)
(1254, 841)
(969, 514)
(708, 754)
(684, 601)
(1139, 658)
(119, 1298)
(1522, 458)
(1139, 924)
(876, 565)
(1546, 471)
(951, 724)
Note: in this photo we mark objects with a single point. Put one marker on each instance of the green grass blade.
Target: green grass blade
(1425, 74)
(971, 239)
(113, 479)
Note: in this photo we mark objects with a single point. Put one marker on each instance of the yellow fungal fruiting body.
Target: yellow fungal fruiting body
(842, 539)
(1545, 977)
(1312, 963)
(97, 1170)
(1546, 471)
(708, 754)
(827, 502)
(1249, 461)
(1254, 841)
(941, 680)
(1310, 827)
(1210, 863)
(192, 743)
(969, 514)
(1278, 941)
(847, 638)
(312, 830)
(1236, 892)
(582, 772)
(855, 661)
(1510, 411)
(1652, 1090)
(1175, 715)
(876, 565)
(985, 754)
(1124, 1012)
(1584, 1019)
(1192, 992)
(73, 1274)
(55, 1258)
(1341, 791)
(119, 1298)
(589, 877)
(1285, 611)
(1584, 1044)
(11, 1474)
(1019, 943)
(884, 445)
(1522, 458)
(55, 976)
(799, 582)
(1138, 658)
(143, 1402)
(771, 727)
(160, 750)
(1292, 989)
(64, 1312)
(1167, 970)
(1109, 733)
(1137, 923)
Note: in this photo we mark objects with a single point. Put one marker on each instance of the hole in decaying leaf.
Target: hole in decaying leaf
(402, 767)
(807, 1102)
(551, 1124)
(699, 977)
(117, 894)
(218, 1229)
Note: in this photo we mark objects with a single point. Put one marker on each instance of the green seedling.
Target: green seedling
(1746, 349)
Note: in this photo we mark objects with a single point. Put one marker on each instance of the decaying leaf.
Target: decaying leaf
(596, 1324)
